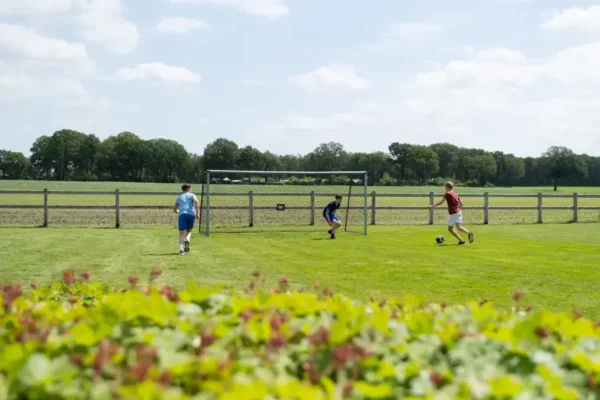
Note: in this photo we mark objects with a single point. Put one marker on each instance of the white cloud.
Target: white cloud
(332, 77)
(28, 44)
(575, 19)
(180, 25)
(158, 72)
(501, 96)
(103, 23)
(265, 8)
(18, 7)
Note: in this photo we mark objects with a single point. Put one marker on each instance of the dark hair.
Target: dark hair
(185, 187)
(338, 196)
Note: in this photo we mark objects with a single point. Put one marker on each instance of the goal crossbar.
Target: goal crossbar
(232, 171)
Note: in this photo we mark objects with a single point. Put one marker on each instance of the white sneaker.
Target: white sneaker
(181, 253)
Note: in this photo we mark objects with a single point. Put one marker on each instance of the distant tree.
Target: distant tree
(561, 162)
(271, 162)
(482, 168)
(291, 163)
(447, 157)
(423, 162)
(195, 170)
(63, 149)
(86, 157)
(400, 154)
(387, 180)
(13, 165)
(509, 169)
(221, 154)
(376, 164)
(328, 157)
(251, 159)
(463, 171)
(167, 160)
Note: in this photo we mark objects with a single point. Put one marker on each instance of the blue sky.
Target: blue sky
(286, 75)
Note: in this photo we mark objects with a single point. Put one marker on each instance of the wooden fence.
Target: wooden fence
(372, 206)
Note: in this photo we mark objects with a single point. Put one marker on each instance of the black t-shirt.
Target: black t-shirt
(331, 207)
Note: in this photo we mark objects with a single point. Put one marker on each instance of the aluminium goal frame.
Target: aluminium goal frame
(206, 191)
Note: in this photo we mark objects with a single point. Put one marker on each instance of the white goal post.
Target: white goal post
(259, 201)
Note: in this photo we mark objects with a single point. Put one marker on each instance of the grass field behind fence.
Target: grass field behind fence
(270, 218)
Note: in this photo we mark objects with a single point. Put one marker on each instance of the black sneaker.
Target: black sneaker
(332, 236)
(462, 242)
(187, 246)
(330, 232)
(471, 237)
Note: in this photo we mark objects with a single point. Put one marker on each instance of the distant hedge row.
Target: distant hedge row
(83, 340)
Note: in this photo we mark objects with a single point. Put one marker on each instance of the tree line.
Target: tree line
(72, 155)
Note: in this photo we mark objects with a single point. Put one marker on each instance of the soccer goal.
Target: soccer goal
(279, 201)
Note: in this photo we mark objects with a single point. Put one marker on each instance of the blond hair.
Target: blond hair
(450, 185)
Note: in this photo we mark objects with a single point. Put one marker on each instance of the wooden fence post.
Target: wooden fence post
(486, 208)
(431, 211)
(539, 208)
(373, 207)
(117, 210)
(575, 206)
(312, 207)
(45, 225)
(250, 209)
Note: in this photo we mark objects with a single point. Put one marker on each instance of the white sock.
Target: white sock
(180, 247)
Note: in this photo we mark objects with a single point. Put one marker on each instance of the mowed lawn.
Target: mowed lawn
(558, 266)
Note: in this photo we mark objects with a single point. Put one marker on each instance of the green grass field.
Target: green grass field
(556, 265)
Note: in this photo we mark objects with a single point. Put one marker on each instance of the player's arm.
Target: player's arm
(460, 203)
(197, 207)
(176, 208)
(439, 203)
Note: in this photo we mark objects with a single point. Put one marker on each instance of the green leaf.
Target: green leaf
(37, 371)
(83, 335)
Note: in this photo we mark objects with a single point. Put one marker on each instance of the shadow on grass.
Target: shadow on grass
(162, 254)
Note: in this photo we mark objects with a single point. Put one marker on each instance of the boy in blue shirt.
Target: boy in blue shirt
(329, 215)
(188, 207)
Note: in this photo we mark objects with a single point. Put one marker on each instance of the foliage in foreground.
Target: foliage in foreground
(79, 340)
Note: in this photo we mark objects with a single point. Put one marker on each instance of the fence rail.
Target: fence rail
(251, 207)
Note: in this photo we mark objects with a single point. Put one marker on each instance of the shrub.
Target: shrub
(387, 180)
(81, 340)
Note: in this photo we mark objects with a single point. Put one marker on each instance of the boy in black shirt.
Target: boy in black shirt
(329, 215)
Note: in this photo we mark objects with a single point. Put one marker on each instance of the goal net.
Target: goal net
(252, 201)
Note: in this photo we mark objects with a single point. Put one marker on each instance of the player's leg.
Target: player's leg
(188, 233)
(458, 221)
(335, 222)
(461, 228)
(330, 223)
(452, 220)
(182, 225)
(454, 233)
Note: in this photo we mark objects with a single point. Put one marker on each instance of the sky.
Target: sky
(286, 75)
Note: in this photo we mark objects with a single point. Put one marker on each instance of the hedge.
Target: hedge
(83, 340)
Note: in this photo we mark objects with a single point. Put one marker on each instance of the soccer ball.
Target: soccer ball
(439, 239)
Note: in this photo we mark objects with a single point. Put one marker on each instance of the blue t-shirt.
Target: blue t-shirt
(185, 203)
(331, 208)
